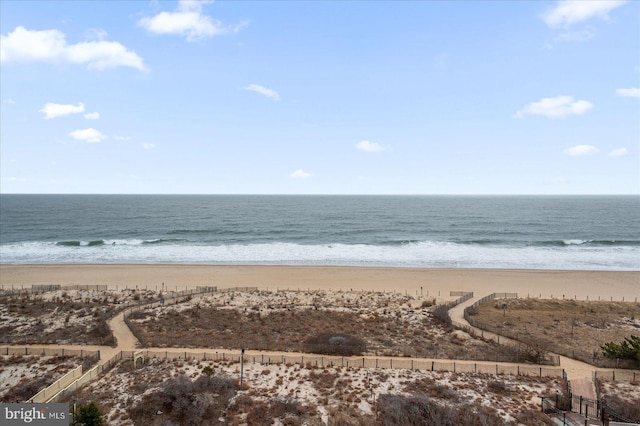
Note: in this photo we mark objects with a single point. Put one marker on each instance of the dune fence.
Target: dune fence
(353, 362)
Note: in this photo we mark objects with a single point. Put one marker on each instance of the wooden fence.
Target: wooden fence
(357, 362)
(87, 377)
(33, 350)
(46, 394)
(617, 375)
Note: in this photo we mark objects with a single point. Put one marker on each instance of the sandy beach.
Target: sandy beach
(428, 282)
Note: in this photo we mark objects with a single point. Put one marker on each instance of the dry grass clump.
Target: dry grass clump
(181, 400)
(419, 409)
(286, 410)
(335, 344)
(572, 328)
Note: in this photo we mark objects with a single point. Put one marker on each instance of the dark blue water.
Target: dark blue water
(534, 232)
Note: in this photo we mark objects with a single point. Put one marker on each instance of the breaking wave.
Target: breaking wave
(571, 256)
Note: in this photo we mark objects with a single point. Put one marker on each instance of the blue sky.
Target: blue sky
(320, 97)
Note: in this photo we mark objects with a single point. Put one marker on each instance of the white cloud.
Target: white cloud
(558, 107)
(269, 93)
(631, 92)
(148, 145)
(568, 12)
(52, 110)
(24, 45)
(620, 152)
(122, 138)
(369, 146)
(239, 27)
(92, 116)
(576, 36)
(578, 150)
(300, 174)
(187, 20)
(88, 135)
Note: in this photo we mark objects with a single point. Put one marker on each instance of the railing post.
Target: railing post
(586, 412)
(580, 404)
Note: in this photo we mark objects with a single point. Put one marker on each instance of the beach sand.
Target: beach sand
(594, 285)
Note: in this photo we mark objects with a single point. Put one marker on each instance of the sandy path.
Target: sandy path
(579, 374)
(125, 339)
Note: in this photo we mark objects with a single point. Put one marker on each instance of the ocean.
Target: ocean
(522, 232)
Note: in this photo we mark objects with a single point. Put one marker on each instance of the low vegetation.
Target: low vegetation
(208, 392)
(64, 317)
(621, 397)
(181, 400)
(21, 377)
(577, 329)
(345, 323)
(628, 349)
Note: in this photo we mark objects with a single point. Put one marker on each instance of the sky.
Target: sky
(320, 97)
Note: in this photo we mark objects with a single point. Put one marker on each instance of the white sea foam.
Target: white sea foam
(576, 242)
(419, 254)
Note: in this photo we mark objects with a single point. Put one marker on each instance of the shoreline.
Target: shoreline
(432, 282)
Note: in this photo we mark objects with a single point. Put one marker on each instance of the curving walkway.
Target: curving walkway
(579, 374)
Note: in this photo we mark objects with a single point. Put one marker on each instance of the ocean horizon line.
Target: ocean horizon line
(330, 194)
